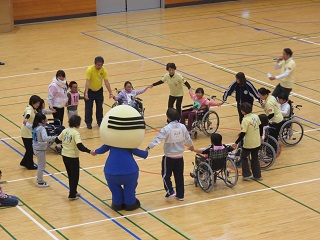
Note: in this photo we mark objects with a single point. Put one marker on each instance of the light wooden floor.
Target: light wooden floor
(209, 44)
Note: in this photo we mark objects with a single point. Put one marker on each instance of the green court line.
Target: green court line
(4, 229)
(38, 215)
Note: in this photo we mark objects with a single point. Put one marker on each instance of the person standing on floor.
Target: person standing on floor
(175, 82)
(245, 92)
(287, 76)
(57, 96)
(95, 76)
(73, 99)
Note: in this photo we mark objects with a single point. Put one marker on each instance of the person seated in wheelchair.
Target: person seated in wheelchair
(285, 106)
(128, 95)
(200, 105)
(216, 152)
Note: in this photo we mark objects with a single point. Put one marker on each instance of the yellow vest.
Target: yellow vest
(272, 106)
(175, 84)
(70, 137)
(250, 125)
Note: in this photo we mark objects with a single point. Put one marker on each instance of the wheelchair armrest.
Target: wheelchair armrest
(139, 99)
(189, 105)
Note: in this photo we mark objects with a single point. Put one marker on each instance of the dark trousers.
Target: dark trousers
(94, 96)
(58, 115)
(279, 89)
(72, 166)
(275, 129)
(27, 160)
(175, 166)
(255, 165)
(190, 116)
(239, 112)
(171, 101)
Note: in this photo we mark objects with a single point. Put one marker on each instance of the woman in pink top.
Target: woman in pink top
(200, 103)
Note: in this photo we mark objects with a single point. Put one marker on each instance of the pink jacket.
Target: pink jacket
(204, 101)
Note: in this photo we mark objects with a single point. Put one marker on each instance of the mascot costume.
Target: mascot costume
(122, 131)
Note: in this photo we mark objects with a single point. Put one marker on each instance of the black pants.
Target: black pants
(279, 89)
(239, 112)
(255, 165)
(58, 115)
(171, 101)
(94, 96)
(72, 167)
(275, 129)
(175, 166)
(27, 160)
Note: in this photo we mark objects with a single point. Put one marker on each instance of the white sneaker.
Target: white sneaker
(43, 184)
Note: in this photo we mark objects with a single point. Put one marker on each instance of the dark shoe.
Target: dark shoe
(22, 164)
(89, 126)
(257, 179)
(2, 63)
(133, 206)
(117, 207)
(171, 194)
(33, 168)
(248, 178)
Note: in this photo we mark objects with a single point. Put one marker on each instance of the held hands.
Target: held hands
(234, 145)
(272, 78)
(93, 153)
(191, 148)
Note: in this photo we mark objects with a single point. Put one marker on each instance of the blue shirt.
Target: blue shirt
(120, 160)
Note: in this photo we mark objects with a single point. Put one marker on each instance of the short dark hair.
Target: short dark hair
(241, 77)
(283, 96)
(246, 107)
(263, 91)
(72, 83)
(39, 117)
(200, 90)
(60, 73)
(98, 59)
(127, 82)
(216, 139)
(34, 99)
(171, 65)
(74, 121)
(288, 51)
(172, 114)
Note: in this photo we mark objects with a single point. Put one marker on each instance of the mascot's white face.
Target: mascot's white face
(122, 127)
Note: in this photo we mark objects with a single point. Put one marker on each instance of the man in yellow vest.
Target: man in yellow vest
(287, 66)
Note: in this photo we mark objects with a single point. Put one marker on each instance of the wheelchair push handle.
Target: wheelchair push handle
(298, 106)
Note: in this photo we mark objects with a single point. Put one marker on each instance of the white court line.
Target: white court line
(187, 204)
(36, 222)
(250, 78)
(109, 63)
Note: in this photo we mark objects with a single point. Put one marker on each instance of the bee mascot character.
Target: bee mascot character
(122, 131)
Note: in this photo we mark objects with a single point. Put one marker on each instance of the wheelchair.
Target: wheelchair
(138, 104)
(216, 166)
(206, 121)
(54, 128)
(266, 155)
(291, 131)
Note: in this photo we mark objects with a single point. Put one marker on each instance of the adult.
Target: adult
(245, 92)
(288, 67)
(250, 134)
(57, 96)
(175, 82)
(272, 109)
(26, 135)
(95, 75)
(5, 199)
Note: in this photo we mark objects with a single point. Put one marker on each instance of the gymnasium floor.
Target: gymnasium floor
(209, 44)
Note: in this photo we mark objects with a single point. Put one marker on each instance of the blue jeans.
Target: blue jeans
(10, 201)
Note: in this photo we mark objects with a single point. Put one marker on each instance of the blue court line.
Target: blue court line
(85, 200)
(271, 20)
(317, 124)
(137, 54)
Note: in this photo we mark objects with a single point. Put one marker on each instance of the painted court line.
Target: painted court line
(188, 204)
(36, 222)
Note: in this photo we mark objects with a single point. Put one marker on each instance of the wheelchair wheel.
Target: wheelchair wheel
(266, 156)
(205, 176)
(291, 133)
(274, 143)
(116, 103)
(210, 122)
(230, 173)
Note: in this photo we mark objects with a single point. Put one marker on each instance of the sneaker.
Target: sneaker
(247, 178)
(43, 184)
(73, 198)
(180, 199)
(78, 194)
(33, 168)
(89, 126)
(257, 179)
(171, 194)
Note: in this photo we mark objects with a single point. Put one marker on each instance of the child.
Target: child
(5, 199)
(128, 95)
(26, 135)
(40, 144)
(285, 107)
(251, 143)
(200, 103)
(73, 99)
(217, 151)
(175, 82)
(71, 144)
(175, 135)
